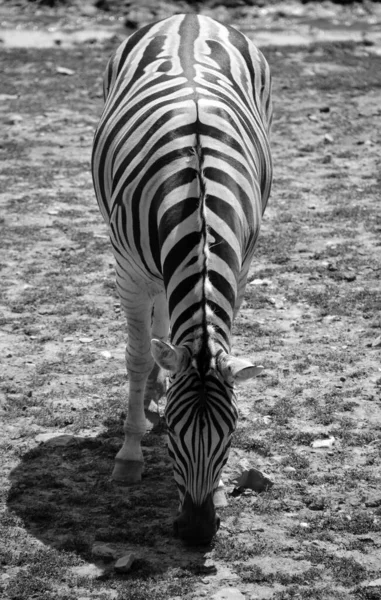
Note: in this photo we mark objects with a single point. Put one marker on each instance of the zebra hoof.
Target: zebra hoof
(127, 471)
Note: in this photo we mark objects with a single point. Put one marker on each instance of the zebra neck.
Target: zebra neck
(198, 321)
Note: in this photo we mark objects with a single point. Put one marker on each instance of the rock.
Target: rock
(13, 119)
(5, 97)
(316, 504)
(301, 248)
(124, 563)
(103, 551)
(88, 10)
(254, 480)
(138, 17)
(372, 584)
(289, 469)
(106, 354)
(52, 439)
(228, 593)
(348, 276)
(85, 340)
(277, 303)
(377, 342)
(328, 139)
(373, 503)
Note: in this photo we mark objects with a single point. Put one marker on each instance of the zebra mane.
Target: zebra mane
(203, 350)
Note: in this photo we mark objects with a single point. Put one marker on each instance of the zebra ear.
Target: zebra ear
(237, 370)
(169, 357)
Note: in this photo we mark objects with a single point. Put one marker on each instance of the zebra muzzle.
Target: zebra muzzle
(197, 524)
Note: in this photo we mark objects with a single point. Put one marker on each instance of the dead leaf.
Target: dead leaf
(325, 443)
(64, 71)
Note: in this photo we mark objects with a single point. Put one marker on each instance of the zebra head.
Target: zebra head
(201, 415)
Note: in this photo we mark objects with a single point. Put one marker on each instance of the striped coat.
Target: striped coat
(182, 172)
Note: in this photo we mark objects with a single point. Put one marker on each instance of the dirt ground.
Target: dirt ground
(311, 316)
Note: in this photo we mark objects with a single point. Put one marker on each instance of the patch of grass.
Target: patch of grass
(309, 576)
(345, 570)
(359, 522)
(297, 460)
(324, 413)
(318, 592)
(254, 574)
(245, 440)
(232, 550)
(349, 436)
(282, 411)
(338, 298)
(304, 438)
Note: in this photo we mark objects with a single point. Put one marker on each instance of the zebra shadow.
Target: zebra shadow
(63, 493)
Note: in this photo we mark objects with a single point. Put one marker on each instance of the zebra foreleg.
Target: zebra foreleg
(129, 460)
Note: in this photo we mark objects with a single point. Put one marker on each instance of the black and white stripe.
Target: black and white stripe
(182, 172)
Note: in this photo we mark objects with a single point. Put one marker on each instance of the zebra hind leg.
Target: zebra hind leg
(156, 384)
(138, 308)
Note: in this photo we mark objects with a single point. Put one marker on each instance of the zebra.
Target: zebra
(182, 172)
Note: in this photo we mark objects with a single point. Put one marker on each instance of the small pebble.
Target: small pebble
(372, 584)
(289, 469)
(13, 119)
(103, 551)
(124, 563)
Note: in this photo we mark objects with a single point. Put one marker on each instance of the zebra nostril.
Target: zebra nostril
(218, 522)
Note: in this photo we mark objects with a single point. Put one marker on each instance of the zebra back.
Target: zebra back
(182, 168)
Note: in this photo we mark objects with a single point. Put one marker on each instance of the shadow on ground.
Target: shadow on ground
(64, 495)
